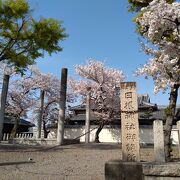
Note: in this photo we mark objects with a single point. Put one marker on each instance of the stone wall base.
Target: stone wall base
(42, 142)
(118, 170)
(161, 171)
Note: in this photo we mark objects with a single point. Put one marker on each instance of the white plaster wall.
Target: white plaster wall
(174, 136)
(35, 130)
(111, 134)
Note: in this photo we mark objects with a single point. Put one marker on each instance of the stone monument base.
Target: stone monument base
(119, 170)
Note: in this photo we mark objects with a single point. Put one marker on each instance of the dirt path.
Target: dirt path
(70, 162)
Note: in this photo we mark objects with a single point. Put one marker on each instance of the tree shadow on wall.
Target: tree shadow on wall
(115, 133)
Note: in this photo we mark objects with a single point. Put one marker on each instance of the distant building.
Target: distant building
(148, 112)
(23, 125)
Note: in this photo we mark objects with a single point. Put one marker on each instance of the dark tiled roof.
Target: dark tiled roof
(9, 120)
(78, 107)
(147, 110)
(82, 107)
(82, 117)
(143, 102)
(155, 115)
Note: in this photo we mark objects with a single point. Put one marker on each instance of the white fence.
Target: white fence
(6, 136)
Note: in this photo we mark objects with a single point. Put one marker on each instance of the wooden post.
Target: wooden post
(60, 130)
(3, 102)
(87, 125)
(40, 114)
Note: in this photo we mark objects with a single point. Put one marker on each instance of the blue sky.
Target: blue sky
(99, 29)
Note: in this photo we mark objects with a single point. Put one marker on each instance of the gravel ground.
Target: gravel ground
(70, 162)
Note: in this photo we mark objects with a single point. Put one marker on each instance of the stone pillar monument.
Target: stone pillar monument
(158, 141)
(126, 169)
(60, 130)
(87, 125)
(39, 134)
(3, 96)
(129, 122)
(130, 168)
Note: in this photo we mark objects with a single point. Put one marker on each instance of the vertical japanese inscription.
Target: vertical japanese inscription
(129, 122)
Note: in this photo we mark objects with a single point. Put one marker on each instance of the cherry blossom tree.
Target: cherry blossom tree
(20, 97)
(48, 112)
(50, 115)
(48, 87)
(136, 5)
(23, 97)
(159, 23)
(23, 92)
(105, 86)
(19, 101)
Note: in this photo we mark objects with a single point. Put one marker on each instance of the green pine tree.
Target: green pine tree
(22, 38)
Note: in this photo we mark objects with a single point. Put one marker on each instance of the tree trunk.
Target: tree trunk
(15, 127)
(40, 113)
(3, 102)
(98, 131)
(170, 114)
(46, 132)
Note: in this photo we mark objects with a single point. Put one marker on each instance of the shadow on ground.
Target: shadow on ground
(33, 148)
(99, 146)
(16, 163)
(30, 148)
